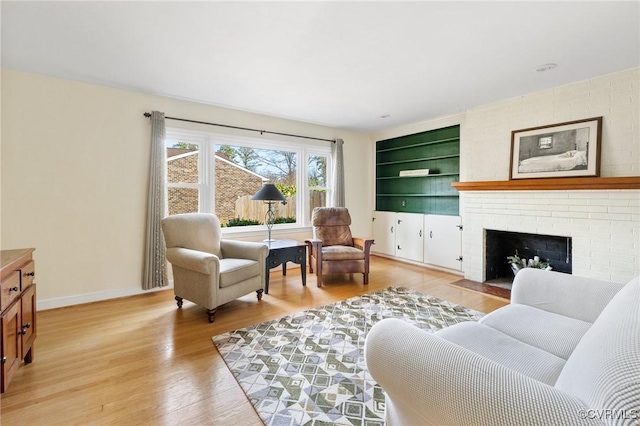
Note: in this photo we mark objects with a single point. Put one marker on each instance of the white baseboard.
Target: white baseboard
(424, 265)
(61, 302)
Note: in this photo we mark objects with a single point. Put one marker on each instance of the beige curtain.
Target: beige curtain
(155, 270)
(337, 193)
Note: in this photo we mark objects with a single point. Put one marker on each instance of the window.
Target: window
(317, 181)
(220, 174)
(183, 176)
(545, 142)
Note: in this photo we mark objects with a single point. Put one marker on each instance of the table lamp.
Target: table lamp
(270, 195)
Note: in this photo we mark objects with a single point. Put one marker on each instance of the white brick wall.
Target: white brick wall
(486, 133)
(604, 227)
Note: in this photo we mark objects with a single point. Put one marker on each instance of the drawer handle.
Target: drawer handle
(30, 274)
(14, 289)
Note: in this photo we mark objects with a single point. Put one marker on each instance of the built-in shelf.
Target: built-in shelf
(418, 144)
(415, 160)
(422, 194)
(552, 184)
(418, 176)
(437, 151)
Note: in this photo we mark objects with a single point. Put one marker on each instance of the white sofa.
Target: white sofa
(565, 351)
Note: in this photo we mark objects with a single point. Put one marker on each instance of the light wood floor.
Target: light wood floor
(140, 360)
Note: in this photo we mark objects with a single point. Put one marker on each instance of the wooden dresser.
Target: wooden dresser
(17, 311)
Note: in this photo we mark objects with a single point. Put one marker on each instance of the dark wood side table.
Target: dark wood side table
(283, 251)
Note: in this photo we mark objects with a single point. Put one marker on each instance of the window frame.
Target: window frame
(206, 185)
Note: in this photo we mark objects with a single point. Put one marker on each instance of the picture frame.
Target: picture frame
(570, 149)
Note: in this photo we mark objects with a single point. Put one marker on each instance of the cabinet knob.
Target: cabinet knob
(30, 274)
(4, 359)
(14, 288)
(27, 325)
(23, 332)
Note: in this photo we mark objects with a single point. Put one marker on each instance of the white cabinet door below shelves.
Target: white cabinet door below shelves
(442, 241)
(384, 233)
(409, 244)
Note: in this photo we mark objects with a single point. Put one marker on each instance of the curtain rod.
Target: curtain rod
(148, 115)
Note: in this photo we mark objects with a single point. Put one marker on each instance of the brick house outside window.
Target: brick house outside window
(231, 182)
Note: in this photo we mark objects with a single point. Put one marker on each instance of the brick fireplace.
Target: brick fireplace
(604, 227)
(551, 249)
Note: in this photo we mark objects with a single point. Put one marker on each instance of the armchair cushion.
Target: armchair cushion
(197, 231)
(233, 271)
(341, 253)
(331, 225)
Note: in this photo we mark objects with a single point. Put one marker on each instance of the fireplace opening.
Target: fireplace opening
(555, 250)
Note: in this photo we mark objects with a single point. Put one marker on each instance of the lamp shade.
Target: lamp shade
(268, 192)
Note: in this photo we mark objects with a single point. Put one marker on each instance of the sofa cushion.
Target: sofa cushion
(604, 369)
(544, 330)
(505, 350)
(233, 271)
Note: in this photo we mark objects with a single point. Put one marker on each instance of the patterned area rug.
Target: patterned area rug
(309, 368)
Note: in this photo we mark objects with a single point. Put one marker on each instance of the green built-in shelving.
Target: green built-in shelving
(436, 150)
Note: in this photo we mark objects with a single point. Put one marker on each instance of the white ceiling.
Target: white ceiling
(340, 64)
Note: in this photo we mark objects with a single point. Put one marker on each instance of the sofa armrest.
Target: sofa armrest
(244, 250)
(428, 380)
(564, 294)
(193, 260)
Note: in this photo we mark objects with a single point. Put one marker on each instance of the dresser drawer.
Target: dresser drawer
(10, 290)
(28, 272)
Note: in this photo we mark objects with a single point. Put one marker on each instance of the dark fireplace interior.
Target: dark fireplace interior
(501, 244)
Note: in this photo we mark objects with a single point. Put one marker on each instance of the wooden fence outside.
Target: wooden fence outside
(256, 210)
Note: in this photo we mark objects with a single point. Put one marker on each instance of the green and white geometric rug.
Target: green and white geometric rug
(309, 368)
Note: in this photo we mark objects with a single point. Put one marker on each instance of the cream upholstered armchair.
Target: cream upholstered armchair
(208, 270)
(333, 250)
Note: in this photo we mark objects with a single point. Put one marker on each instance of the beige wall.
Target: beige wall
(74, 179)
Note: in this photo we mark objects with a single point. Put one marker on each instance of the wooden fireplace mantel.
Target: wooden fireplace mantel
(552, 184)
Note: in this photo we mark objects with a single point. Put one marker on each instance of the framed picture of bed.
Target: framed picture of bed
(570, 149)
